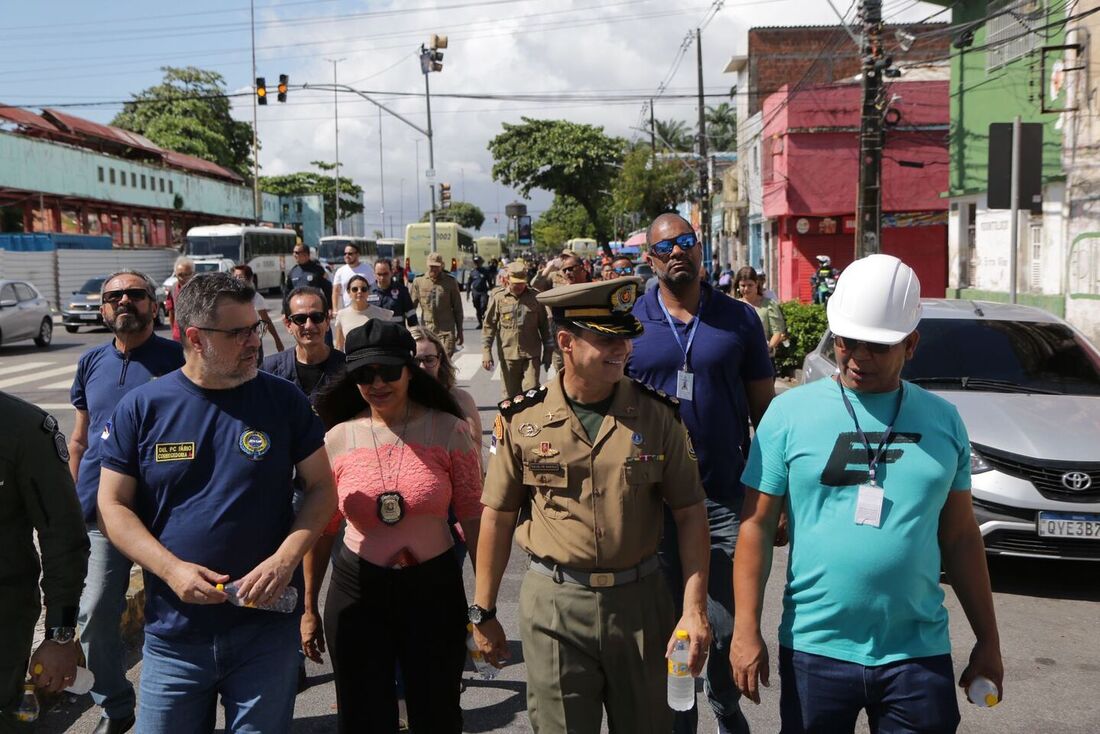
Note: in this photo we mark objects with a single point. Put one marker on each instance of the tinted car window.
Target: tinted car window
(1044, 356)
(25, 292)
(7, 293)
(91, 286)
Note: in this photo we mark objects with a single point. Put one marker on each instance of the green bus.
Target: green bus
(452, 242)
(489, 248)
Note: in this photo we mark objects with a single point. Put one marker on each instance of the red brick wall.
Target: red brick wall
(822, 55)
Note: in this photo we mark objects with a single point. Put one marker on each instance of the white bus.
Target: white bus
(391, 248)
(585, 247)
(265, 249)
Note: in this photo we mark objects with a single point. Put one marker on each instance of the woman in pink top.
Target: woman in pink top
(402, 453)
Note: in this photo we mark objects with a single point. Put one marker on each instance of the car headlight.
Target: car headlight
(977, 463)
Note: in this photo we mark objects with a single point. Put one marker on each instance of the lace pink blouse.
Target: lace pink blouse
(434, 468)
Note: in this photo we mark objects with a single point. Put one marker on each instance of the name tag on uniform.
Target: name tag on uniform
(869, 505)
(685, 385)
(545, 466)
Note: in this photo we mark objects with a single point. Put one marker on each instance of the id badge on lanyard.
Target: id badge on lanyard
(685, 378)
(871, 496)
(685, 384)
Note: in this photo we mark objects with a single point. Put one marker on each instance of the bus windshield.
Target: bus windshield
(203, 246)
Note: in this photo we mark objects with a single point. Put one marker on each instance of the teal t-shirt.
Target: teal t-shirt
(867, 595)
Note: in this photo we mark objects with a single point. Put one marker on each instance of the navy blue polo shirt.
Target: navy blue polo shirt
(213, 470)
(729, 351)
(396, 298)
(103, 376)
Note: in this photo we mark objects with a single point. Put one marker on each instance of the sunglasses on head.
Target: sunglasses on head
(317, 317)
(134, 294)
(388, 373)
(851, 345)
(683, 241)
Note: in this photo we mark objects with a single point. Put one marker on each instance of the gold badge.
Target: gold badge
(691, 448)
(498, 428)
(545, 451)
(529, 430)
(622, 299)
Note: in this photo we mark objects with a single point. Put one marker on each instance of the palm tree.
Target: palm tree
(721, 127)
(674, 135)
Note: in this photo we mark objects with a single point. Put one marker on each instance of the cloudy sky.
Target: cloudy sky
(97, 53)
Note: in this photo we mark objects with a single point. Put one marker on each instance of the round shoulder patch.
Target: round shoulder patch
(254, 444)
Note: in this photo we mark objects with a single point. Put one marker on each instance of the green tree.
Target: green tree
(188, 112)
(564, 220)
(721, 127)
(318, 182)
(567, 158)
(467, 215)
(674, 136)
(648, 187)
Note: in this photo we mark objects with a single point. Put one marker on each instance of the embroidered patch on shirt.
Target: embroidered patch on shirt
(182, 451)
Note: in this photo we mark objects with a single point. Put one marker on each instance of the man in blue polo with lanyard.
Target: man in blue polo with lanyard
(195, 487)
(709, 351)
(875, 474)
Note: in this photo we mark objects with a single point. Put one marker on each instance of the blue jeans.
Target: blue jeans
(253, 667)
(101, 607)
(822, 695)
(717, 677)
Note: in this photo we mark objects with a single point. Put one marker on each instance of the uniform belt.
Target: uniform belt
(595, 579)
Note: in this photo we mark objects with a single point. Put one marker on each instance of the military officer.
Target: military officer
(37, 494)
(591, 460)
(515, 318)
(440, 302)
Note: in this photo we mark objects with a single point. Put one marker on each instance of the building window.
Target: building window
(133, 180)
(143, 181)
(112, 175)
(170, 191)
(162, 186)
(101, 174)
(1014, 31)
(122, 175)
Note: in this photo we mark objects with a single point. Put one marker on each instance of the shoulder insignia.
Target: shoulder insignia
(661, 395)
(49, 425)
(514, 405)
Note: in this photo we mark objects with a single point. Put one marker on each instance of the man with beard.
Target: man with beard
(104, 374)
(708, 351)
(196, 487)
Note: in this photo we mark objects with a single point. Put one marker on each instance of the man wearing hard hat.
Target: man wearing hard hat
(875, 475)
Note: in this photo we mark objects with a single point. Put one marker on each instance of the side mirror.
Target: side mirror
(8, 303)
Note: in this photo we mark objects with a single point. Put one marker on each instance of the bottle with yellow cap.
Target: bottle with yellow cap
(27, 710)
(82, 681)
(286, 602)
(983, 692)
(681, 683)
(484, 668)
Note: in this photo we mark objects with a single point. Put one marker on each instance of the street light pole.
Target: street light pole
(256, 211)
(336, 119)
(381, 176)
(431, 158)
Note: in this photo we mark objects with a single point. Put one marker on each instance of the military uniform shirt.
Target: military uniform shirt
(440, 301)
(591, 505)
(521, 323)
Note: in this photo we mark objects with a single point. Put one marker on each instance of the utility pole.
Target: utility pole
(869, 194)
(256, 210)
(1014, 213)
(652, 131)
(336, 119)
(419, 210)
(381, 177)
(704, 182)
(431, 59)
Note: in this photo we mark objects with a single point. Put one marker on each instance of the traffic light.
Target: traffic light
(431, 58)
(284, 82)
(444, 195)
(261, 90)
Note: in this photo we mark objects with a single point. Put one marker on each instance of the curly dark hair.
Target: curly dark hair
(341, 400)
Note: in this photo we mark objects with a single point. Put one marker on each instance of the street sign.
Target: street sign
(999, 172)
(429, 174)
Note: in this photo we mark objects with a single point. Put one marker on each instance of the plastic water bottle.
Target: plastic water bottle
(681, 683)
(27, 710)
(983, 692)
(81, 684)
(286, 602)
(484, 668)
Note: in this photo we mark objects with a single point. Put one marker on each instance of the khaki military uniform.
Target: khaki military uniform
(36, 494)
(556, 279)
(593, 507)
(440, 304)
(523, 329)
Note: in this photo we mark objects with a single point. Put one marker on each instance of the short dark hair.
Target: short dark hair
(384, 261)
(303, 290)
(354, 246)
(341, 400)
(198, 301)
(661, 218)
(746, 273)
(557, 325)
(246, 269)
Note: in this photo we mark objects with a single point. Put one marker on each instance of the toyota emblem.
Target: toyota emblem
(1078, 481)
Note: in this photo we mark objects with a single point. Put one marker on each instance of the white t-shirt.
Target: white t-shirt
(343, 275)
(259, 302)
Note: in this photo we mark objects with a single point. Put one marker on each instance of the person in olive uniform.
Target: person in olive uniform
(515, 318)
(591, 461)
(440, 302)
(37, 494)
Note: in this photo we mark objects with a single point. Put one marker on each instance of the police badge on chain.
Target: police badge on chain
(391, 508)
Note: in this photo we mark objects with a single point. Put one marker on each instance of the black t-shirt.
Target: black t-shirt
(309, 375)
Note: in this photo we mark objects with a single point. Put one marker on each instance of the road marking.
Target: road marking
(23, 367)
(56, 372)
(64, 385)
(466, 366)
(55, 406)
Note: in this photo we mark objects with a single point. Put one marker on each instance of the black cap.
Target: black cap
(379, 342)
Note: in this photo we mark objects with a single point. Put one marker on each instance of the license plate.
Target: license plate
(89, 316)
(1069, 525)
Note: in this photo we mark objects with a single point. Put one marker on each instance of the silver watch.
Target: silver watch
(61, 635)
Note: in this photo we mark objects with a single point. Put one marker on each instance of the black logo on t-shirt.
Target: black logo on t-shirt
(849, 451)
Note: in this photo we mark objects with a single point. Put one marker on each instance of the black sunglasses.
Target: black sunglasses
(301, 252)
(134, 294)
(358, 289)
(317, 317)
(388, 373)
(851, 345)
(349, 254)
(684, 242)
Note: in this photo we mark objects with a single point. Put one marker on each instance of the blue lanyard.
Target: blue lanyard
(873, 458)
(675, 333)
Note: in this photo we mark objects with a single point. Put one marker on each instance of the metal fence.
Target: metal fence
(58, 273)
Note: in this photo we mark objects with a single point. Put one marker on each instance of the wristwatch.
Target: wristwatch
(61, 635)
(477, 614)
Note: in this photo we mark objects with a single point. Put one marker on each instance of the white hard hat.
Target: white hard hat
(877, 299)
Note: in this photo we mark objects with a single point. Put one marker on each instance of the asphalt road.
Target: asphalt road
(1048, 612)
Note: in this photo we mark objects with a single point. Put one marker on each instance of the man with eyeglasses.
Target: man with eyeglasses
(391, 294)
(196, 487)
(440, 302)
(104, 374)
(184, 270)
(352, 266)
(708, 351)
(875, 473)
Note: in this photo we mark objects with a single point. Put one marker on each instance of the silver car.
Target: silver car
(24, 314)
(1027, 385)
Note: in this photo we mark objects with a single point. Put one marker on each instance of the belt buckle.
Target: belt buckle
(601, 580)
